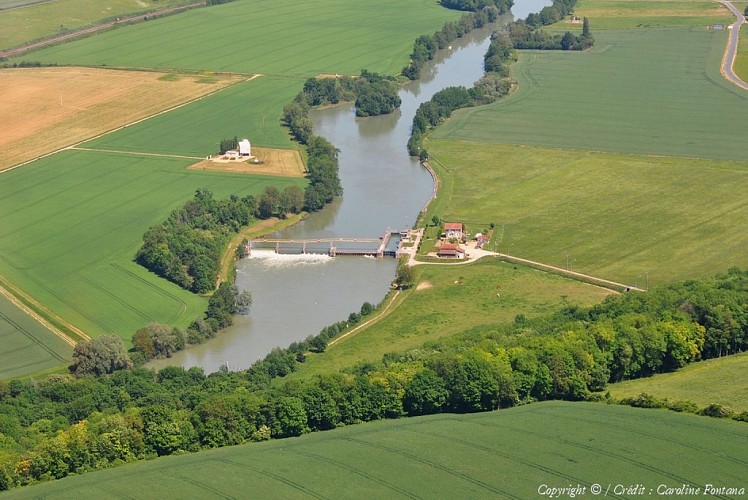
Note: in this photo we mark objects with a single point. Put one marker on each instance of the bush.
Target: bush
(717, 411)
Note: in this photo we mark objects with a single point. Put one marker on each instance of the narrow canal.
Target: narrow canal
(295, 296)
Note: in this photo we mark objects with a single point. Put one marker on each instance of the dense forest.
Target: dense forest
(65, 425)
(503, 6)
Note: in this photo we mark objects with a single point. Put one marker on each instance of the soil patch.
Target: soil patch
(277, 162)
(46, 109)
(424, 285)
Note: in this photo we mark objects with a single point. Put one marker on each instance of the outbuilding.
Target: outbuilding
(244, 148)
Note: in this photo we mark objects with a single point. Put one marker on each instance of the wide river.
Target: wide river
(295, 296)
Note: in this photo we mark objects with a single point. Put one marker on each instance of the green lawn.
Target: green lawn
(45, 19)
(627, 14)
(504, 454)
(73, 221)
(741, 61)
(250, 109)
(720, 380)
(616, 216)
(299, 38)
(454, 299)
(25, 345)
(655, 91)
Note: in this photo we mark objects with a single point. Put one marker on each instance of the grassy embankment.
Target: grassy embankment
(450, 300)
(720, 380)
(508, 453)
(32, 20)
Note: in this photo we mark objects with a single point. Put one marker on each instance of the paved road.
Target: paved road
(732, 47)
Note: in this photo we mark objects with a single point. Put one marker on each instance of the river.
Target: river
(295, 296)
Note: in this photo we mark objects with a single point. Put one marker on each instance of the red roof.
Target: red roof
(453, 226)
(450, 248)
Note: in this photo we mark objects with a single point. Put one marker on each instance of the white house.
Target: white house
(453, 230)
(245, 148)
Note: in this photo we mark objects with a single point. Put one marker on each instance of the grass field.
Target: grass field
(622, 96)
(741, 61)
(44, 109)
(505, 454)
(250, 109)
(29, 20)
(73, 221)
(450, 300)
(720, 380)
(300, 38)
(616, 216)
(26, 345)
(627, 14)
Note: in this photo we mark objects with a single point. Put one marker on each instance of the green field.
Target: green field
(251, 109)
(509, 453)
(655, 91)
(741, 61)
(628, 14)
(30, 20)
(73, 221)
(290, 38)
(719, 380)
(453, 299)
(26, 345)
(616, 216)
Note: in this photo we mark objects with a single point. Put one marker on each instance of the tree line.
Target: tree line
(494, 85)
(425, 46)
(526, 36)
(65, 425)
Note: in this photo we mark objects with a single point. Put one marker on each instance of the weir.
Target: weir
(374, 247)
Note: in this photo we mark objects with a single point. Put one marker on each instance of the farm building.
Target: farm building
(453, 230)
(245, 148)
(231, 154)
(450, 251)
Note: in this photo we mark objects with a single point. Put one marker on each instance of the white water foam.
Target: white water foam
(272, 259)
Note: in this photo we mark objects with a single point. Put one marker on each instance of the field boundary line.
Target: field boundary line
(117, 129)
(39, 319)
(117, 151)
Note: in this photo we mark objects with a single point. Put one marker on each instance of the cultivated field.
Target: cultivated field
(626, 14)
(504, 454)
(277, 162)
(250, 109)
(44, 109)
(450, 300)
(741, 61)
(29, 20)
(611, 215)
(720, 380)
(620, 96)
(73, 221)
(297, 38)
(26, 345)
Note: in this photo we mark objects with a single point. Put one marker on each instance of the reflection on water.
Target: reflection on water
(295, 296)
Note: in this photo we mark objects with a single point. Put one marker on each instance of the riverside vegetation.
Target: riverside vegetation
(61, 425)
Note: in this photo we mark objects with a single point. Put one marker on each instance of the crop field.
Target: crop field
(626, 14)
(720, 380)
(503, 454)
(27, 20)
(25, 345)
(277, 162)
(300, 38)
(450, 300)
(610, 215)
(73, 221)
(44, 109)
(621, 96)
(253, 108)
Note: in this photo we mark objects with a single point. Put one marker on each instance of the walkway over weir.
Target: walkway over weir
(376, 247)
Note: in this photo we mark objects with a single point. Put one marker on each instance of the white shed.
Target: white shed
(245, 148)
